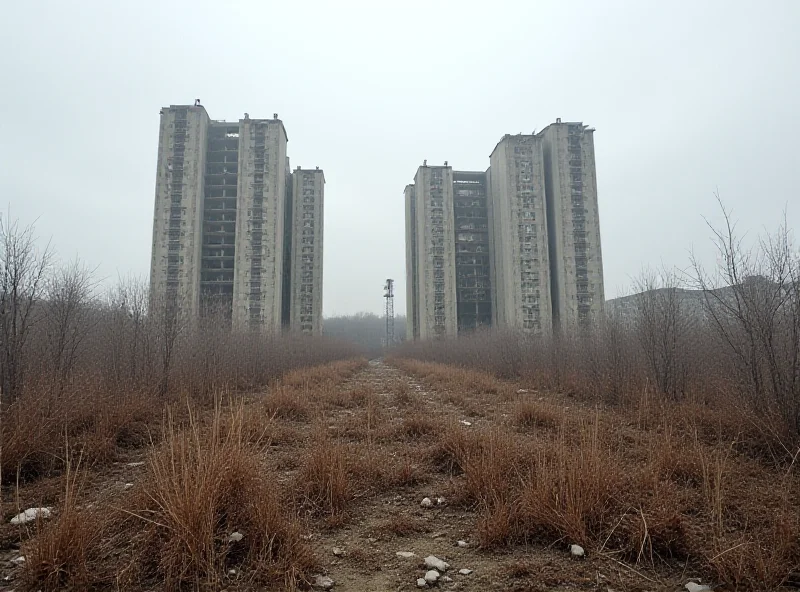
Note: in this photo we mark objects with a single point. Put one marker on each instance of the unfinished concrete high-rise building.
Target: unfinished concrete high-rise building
(519, 234)
(576, 259)
(525, 233)
(218, 227)
(430, 201)
(305, 277)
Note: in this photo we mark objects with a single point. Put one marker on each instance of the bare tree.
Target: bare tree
(752, 302)
(23, 270)
(68, 313)
(662, 328)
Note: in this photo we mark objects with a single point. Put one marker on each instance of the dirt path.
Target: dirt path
(374, 534)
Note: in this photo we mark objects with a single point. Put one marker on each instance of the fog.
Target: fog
(688, 98)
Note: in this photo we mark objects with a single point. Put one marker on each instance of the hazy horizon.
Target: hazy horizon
(687, 99)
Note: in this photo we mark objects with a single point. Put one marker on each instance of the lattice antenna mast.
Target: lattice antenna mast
(388, 294)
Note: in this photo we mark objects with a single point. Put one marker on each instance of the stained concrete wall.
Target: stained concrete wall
(574, 224)
(436, 270)
(308, 207)
(258, 269)
(519, 234)
(412, 289)
(179, 196)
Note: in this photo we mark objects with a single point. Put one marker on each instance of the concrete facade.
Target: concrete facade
(576, 259)
(308, 187)
(178, 214)
(218, 227)
(436, 273)
(257, 293)
(412, 291)
(526, 234)
(519, 224)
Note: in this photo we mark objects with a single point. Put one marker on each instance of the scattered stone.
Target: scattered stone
(440, 501)
(18, 560)
(437, 535)
(136, 464)
(231, 572)
(462, 544)
(306, 537)
(127, 486)
(522, 391)
(447, 579)
(432, 576)
(421, 583)
(694, 587)
(31, 514)
(235, 537)
(372, 540)
(426, 502)
(577, 551)
(405, 554)
(465, 571)
(323, 582)
(432, 562)
(466, 423)
(338, 551)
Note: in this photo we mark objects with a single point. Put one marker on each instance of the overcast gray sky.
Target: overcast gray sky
(686, 96)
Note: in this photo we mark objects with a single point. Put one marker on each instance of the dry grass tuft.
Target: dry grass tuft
(67, 551)
(288, 402)
(400, 526)
(416, 427)
(323, 482)
(530, 414)
(205, 484)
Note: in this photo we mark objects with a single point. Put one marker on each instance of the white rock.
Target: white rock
(465, 571)
(462, 544)
(18, 560)
(128, 486)
(426, 502)
(693, 587)
(577, 551)
(136, 464)
(421, 583)
(466, 423)
(31, 514)
(405, 554)
(522, 391)
(440, 501)
(235, 537)
(432, 562)
(323, 582)
(338, 551)
(231, 572)
(432, 576)
(447, 579)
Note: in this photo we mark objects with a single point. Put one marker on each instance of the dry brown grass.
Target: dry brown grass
(400, 525)
(655, 482)
(206, 484)
(323, 482)
(534, 415)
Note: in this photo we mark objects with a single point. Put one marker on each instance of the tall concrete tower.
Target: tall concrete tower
(218, 226)
(179, 204)
(305, 311)
(519, 235)
(258, 276)
(576, 259)
(435, 244)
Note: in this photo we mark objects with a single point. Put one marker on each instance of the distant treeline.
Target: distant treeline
(366, 329)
